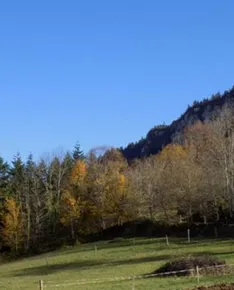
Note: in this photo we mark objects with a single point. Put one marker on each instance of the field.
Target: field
(104, 260)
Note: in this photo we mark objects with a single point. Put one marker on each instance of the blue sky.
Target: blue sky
(105, 72)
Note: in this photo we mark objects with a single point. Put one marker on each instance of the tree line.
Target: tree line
(64, 198)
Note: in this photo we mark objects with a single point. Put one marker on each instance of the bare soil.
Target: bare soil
(207, 263)
(217, 287)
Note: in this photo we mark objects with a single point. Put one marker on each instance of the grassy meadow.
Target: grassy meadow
(103, 260)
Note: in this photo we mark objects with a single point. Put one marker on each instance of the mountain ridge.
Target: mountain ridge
(162, 135)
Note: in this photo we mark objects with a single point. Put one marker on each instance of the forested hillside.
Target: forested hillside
(51, 202)
(162, 135)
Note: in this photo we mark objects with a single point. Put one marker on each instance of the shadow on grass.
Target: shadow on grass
(109, 245)
(48, 269)
(122, 243)
(131, 242)
(81, 265)
(53, 268)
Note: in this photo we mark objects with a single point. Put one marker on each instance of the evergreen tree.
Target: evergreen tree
(4, 176)
(30, 193)
(77, 153)
(17, 178)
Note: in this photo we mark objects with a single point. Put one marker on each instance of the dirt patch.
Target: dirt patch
(217, 287)
(187, 265)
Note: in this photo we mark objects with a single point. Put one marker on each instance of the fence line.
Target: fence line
(135, 277)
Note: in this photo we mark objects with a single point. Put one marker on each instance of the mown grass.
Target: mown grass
(61, 268)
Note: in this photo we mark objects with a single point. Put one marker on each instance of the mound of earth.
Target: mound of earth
(184, 266)
(217, 287)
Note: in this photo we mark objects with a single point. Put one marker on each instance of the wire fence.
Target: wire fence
(197, 273)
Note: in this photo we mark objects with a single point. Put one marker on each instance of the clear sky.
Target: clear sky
(105, 72)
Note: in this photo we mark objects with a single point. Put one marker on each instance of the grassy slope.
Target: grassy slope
(111, 260)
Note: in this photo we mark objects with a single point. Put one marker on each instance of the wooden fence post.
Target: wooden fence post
(133, 283)
(41, 285)
(198, 275)
(167, 240)
(189, 236)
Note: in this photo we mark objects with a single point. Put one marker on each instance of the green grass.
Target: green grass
(122, 258)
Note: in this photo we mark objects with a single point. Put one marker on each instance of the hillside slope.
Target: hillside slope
(162, 135)
(111, 264)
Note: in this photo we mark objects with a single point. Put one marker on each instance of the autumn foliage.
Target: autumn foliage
(79, 172)
(12, 225)
(70, 197)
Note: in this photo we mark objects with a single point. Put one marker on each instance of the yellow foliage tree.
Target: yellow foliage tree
(172, 152)
(117, 203)
(181, 177)
(123, 200)
(121, 182)
(12, 225)
(70, 211)
(79, 173)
